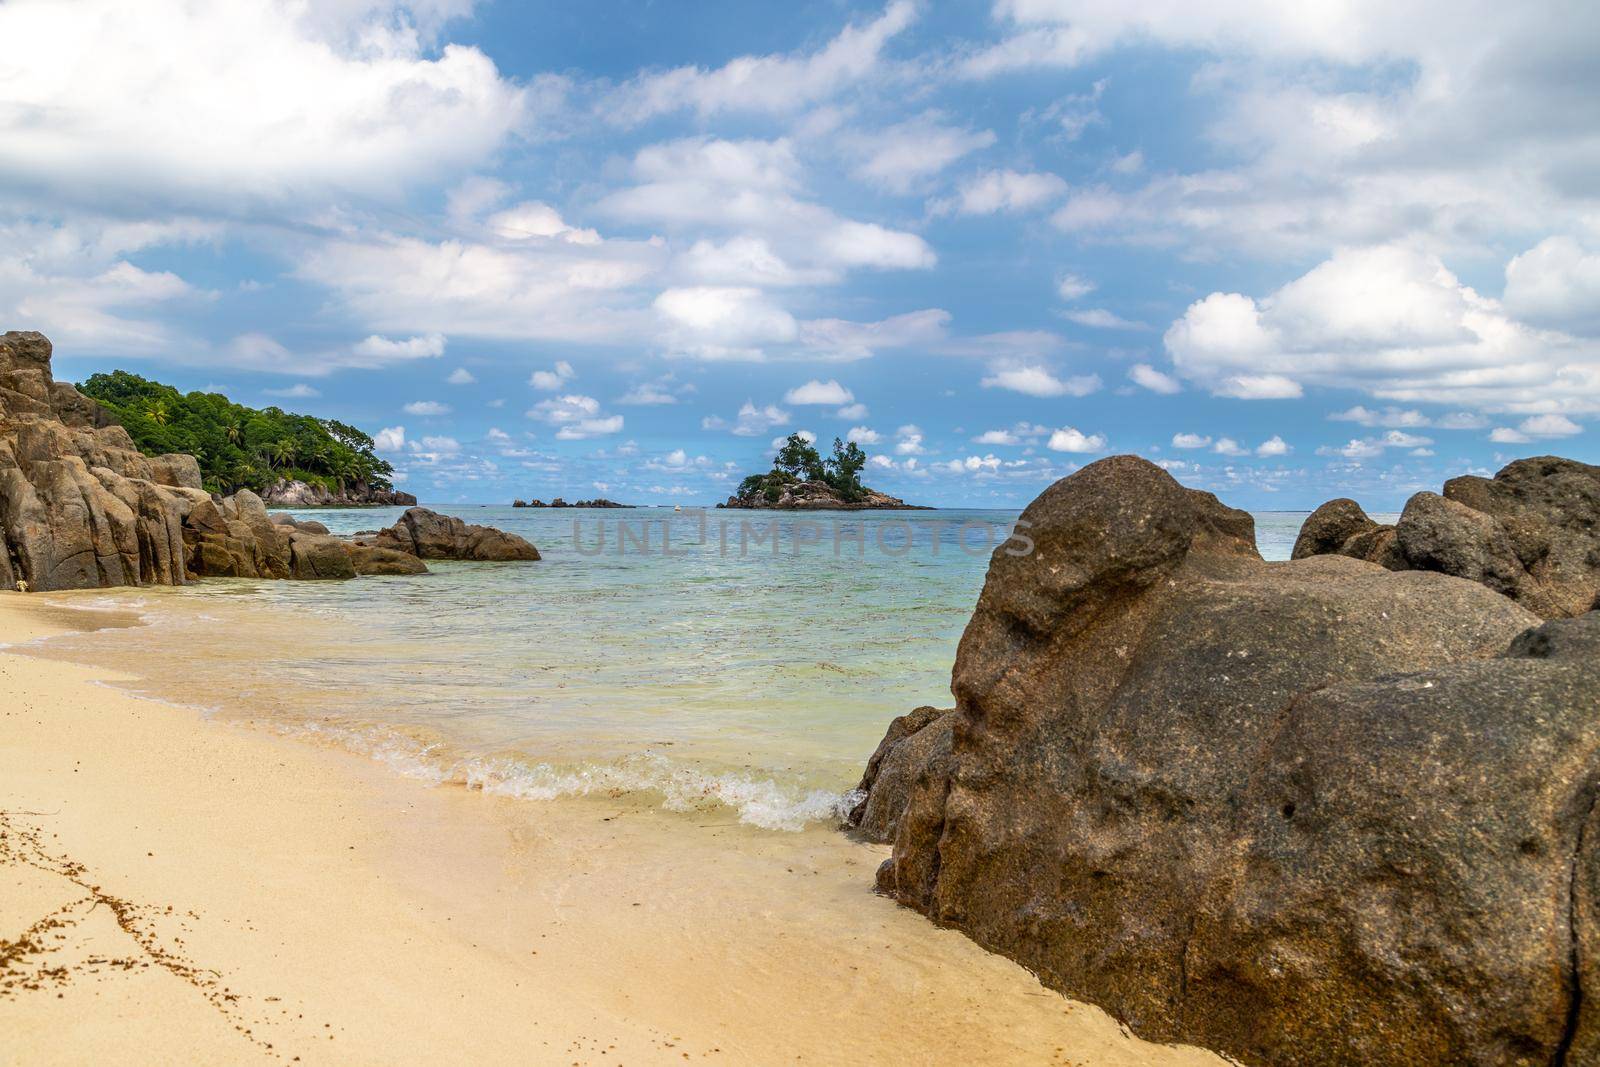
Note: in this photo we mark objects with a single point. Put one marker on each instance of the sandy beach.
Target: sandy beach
(177, 889)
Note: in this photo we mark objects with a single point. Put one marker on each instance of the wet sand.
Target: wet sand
(179, 890)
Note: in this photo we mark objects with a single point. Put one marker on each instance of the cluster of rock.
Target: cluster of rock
(81, 507)
(1315, 811)
(818, 496)
(1531, 532)
(599, 502)
(293, 493)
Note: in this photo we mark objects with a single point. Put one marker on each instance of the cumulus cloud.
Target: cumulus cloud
(1393, 321)
(427, 407)
(1069, 439)
(298, 391)
(175, 112)
(1142, 374)
(554, 378)
(1034, 380)
(1556, 283)
(1273, 446)
(751, 421)
(1538, 426)
(818, 392)
(863, 435)
(723, 322)
(843, 340)
(1227, 446)
(1189, 440)
(646, 394)
(1071, 287)
(390, 439)
(908, 441)
(460, 376)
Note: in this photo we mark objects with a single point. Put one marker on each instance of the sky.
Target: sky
(1288, 251)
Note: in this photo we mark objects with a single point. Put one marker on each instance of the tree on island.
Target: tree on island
(798, 461)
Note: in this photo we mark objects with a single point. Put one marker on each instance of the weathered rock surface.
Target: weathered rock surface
(429, 535)
(1303, 812)
(80, 507)
(369, 560)
(293, 493)
(1531, 532)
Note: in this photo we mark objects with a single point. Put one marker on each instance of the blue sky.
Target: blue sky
(1290, 251)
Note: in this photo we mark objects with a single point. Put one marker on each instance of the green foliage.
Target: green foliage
(239, 447)
(798, 461)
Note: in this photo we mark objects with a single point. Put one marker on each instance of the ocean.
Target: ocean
(739, 662)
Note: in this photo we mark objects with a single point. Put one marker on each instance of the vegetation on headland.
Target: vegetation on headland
(797, 461)
(240, 447)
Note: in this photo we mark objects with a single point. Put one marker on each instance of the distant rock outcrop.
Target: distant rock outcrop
(1531, 532)
(290, 493)
(429, 535)
(81, 507)
(1309, 812)
(598, 502)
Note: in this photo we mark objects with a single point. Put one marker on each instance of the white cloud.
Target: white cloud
(723, 323)
(1071, 287)
(852, 411)
(901, 157)
(805, 435)
(1393, 321)
(460, 376)
(863, 435)
(1038, 381)
(1556, 283)
(1147, 376)
(1069, 439)
(995, 191)
(1101, 319)
(498, 435)
(564, 409)
(752, 190)
(829, 392)
(1189, 440)
(997, 437)
(1227, 446)
(390, 439)
(908, 441)
(386, 350)
(583, 429)
(971, 465)
(298, 391)
(841, 339)
(535, 218)
(1505, 435)
(1273, 446)
(1550, 426)
(1373, 447)
(772, 84)
(174, 111)
(554, 378)
(427, 407)
(646, 394)
(751, 421)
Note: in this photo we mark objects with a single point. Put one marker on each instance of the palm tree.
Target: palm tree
(158, 413)
(283, 452)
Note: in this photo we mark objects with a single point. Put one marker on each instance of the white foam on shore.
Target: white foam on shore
(762, 803)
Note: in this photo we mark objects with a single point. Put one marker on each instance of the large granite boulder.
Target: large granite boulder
(1167, 757)
(383, 561)
(176, 469)
(1532, 532)
(429, 535)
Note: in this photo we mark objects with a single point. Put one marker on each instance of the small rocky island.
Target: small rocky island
(1334, 810)
(800, 479)
(82, 506)
(558, 502)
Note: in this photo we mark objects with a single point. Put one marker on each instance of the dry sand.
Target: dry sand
(176, 890)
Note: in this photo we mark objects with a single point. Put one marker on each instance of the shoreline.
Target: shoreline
(254, 885)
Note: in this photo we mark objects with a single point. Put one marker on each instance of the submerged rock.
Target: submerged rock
(1531, 532)
(429, 535)
(1307, 812)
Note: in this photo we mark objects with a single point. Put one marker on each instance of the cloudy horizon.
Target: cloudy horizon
(1289, 252)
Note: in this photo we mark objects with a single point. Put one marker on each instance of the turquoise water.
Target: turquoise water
(746, 660)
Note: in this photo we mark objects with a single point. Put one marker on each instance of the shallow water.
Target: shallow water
(714, 659)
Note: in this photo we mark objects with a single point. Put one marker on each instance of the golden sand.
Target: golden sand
(178, 890)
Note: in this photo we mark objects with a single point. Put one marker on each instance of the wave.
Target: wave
(759, 802)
